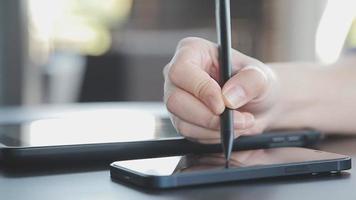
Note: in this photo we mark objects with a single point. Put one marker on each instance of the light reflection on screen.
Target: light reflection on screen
(86, 127)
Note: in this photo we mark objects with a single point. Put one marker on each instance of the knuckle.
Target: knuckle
(206, 89)
(203, 88)
(171, 73)
(182, 128)
(171, 100)
(189, 41)
(213, 122)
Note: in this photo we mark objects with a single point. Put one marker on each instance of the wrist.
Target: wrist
(298, 85)
(315, 96)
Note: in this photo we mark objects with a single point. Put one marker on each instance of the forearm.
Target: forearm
(316, 96)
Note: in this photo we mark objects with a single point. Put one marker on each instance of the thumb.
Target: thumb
(248, 84)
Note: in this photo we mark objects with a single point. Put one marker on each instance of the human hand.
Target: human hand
(195, 99)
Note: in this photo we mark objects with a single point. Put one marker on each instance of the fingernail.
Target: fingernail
(235, 96)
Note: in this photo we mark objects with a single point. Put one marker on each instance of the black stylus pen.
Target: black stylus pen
(222, 12)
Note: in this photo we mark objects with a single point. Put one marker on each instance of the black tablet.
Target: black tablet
(187, 170)
(55, 140)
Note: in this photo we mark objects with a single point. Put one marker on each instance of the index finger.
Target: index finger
(192, 70)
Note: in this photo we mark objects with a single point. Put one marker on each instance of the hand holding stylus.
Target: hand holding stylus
(195, 99)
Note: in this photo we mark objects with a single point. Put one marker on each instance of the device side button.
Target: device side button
(294, 138)
(278, 139)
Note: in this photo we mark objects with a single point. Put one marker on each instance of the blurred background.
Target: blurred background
(69, 51)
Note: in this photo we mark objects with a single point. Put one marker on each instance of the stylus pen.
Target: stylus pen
(222, 12)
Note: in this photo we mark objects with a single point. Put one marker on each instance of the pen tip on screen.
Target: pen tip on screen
(227, 164)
